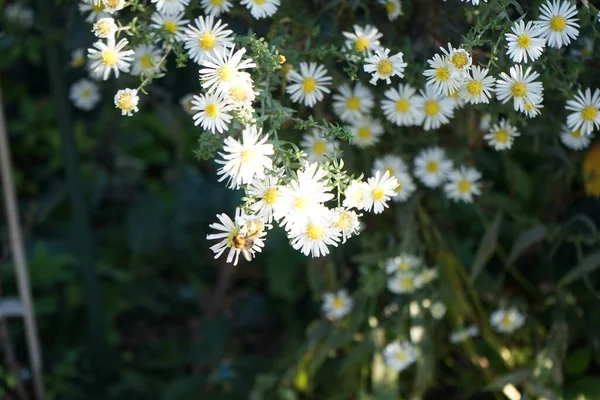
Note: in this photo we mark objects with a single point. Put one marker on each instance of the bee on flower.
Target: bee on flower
(336, 305)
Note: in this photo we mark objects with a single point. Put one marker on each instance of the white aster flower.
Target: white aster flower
(533, 107)
(400, 106)
(402, 282)
(186, 103)
(352, 103)
(585, 109)
(383, 66)
(316, 235)
(309, 85)
(390, 163)
(558, 23)
(502, 135)
(266, 194)
(462, 184)
(336, 305)
(84, 94)
(95, 9)
(474, 2)
(431, 166)
(461, 335)
(261, 8)
(441, 76)
(216, 7)
(78, 58)
(18, 14)
(172, 24)
(366, 132)
(403, 263)
(205, 37)
(171, 7)
(356, 194)
(405, 188)
(519, 86)
(393, 8)
(436, 108)
(459, 60)
(382, 187)
(478, 87)
(316, 146)
(525, 42)
(426, 276)
(127, 101)
(364, 40)
(105, 28)
(399, 355)
(213, 112)
(241, 91)
(112, 6)
(222, 68)
(574, 140)
(507, 321)
(146, 60)
(245, 161)
(110, 56)
(438, 310)
(346, 221)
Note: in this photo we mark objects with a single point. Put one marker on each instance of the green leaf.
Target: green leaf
(578, 361)
(486, 248)
(525, 240)
(519, 181)
(583, 389)
(588, 265)
(183, 388)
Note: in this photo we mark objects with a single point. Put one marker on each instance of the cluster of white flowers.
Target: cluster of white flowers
(406, 274)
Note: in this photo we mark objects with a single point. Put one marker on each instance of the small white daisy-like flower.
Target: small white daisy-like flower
(462, 184)
(346, 221)
(441, 76)
(558, 23)
(366, 132)
(364, 40)
(406, 187)
(400, 107)
(336, 305)
(431, 166)
(502, 135)
(461, 335)
(316, 236)
(478, 87)
(519, 86)
(382, 187)
(507, 321)
(266, 193)
(186, 103)
(18, 14)
(261, 8)
(390, 163)
(403, 263)
(95, 9)
(206, 36)
(459, 60)
(356, 194)
(216, 7)
(426, 276)
(457, 101)
(532, 108)
(525, 42)
(241, 91)
(84, 94)
(402, 282)
(78, 58)
(239, 236)
(112, 6)
(245, 161)
(383, 66)
(436, 108)
(574, 140)
(485, 122)
(399, 355)
(171, 6)
(309, 85)
(316, 146)
(222, 68)
(172, 24)
(127, 101)
(438, 310)
(393, 8)
(585, 109)
(474, 2)
(146, 60)
(352, 103)
(110, 56)
(213, 112)
(105, 28)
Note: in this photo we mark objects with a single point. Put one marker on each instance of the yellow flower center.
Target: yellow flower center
(474, 87)
(432, 108)
(464, 186)
(402, 105)
(344, 221)
(125, 102)
(385, 67)
(506, 320)
(501, 136)
(207, 41)
(400, 356)
(271, 195)
(529, 105)
(216, 2)
(314, 232)
(390, 171)
(309, 85)
(146, 61)
(170, 26)
(300, 203)
(558, 23)
(248, 155)
(589, 113)
(211, 110)
(86, 93)
(319, 148)
(407, 282)
(432, 167)
(518, 89)
(361, 44)
(78, 61)
(378, 193)
(442, 73)
(364, 132)
(404, 266)
(390, 7)
(109, 58)
(111, 3)
(524, 41)
(97, 8)
(260, 2)
(576, 133)
(227, 73)
(338, 303)
(460, 60)
(239, 93)
(103, 28)
(353, 103)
